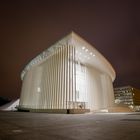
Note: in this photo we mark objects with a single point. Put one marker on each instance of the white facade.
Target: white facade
(71, 74)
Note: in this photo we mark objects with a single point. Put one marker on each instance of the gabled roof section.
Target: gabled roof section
(90, 56)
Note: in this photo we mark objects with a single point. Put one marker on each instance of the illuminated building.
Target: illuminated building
(69, 76)
(128, 95)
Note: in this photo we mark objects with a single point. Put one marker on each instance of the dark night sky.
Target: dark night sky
(27, 28)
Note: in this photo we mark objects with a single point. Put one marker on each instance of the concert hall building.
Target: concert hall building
(70, 76)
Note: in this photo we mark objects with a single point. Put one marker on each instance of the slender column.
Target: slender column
(53, 79)
(67, 76)
(58, 81)
(50, 67)
(64, 59)
(54, 82)
(60, 73)
(43, 79)
(41, 101)
(63, 75)
(69, 68)
(46, 84)
(74, 74)
(57, 74)
(67, 94)
(70, 75)
(51, 82)
(72, 63)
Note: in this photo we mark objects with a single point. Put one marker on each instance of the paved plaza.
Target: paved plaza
(93, 126)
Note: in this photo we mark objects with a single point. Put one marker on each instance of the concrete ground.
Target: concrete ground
(43, 126)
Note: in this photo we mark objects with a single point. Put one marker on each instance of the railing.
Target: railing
(77, 105)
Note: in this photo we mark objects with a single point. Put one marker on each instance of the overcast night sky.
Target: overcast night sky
(28, 27)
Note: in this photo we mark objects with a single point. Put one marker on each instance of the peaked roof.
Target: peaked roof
(90, 55)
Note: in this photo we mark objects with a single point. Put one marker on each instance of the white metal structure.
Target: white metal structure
(11, 106)
(71, 74)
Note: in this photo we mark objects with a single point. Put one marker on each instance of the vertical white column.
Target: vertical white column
(58, 82)
(42, 90)
(72, 64)
(60, 79)
(67, 78)
(63, 77)
(74, 75)
(70, 76)
(53, 78)
(67, 60)
(43, 79)
(50, 87)
(50, 80)
(54, 82)
(46, 86)
(69, 81)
